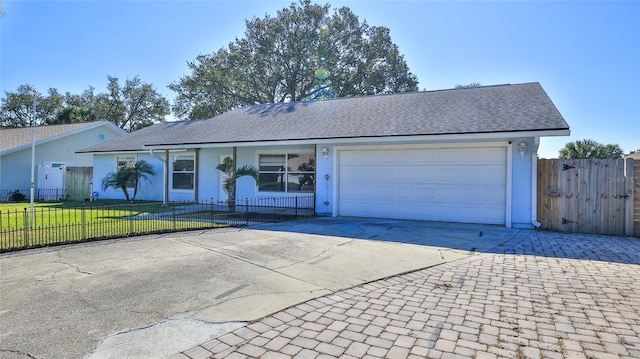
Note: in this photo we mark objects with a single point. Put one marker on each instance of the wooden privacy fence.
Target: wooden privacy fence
(78, 183)
(589, 196)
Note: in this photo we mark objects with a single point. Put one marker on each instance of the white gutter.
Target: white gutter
(534, 183)
(469, 137)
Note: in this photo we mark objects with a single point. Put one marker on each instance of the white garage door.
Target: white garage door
(453, 185)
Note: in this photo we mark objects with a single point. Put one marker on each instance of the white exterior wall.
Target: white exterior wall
(522, 184)
(16, 167)
(519, 174)
(325, 181)
(208, 175)
(148, 190)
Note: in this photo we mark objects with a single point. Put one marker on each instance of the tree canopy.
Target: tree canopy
(132, 106)
(588, 148)
(468, 86)
(16, 108)
(293, 56)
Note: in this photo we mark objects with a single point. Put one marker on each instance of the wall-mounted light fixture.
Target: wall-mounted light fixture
(523, 148)
(325, 152)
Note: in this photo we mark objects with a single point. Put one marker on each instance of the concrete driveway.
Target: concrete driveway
(542, 295)
(153, 296)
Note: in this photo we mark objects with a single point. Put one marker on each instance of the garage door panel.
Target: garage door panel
(447, 174)
(425, 157)
(458, 185)
(447, 156)
(405, 157)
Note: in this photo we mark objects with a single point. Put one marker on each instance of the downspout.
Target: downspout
(534, 183)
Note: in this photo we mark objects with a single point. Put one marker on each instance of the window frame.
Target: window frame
(287, 172)
(192, 172)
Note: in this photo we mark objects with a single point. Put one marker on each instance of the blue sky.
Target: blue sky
(586, 55)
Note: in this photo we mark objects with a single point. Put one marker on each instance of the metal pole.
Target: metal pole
(33, 160)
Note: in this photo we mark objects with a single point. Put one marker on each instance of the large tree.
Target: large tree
(132, 106)
(78, 108)
(288, 56)
(16, 108)
(588, 148)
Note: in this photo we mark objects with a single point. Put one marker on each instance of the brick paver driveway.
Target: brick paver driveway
(542, 295)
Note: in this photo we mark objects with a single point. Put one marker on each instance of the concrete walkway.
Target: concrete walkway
(156, 295)
(539, 295)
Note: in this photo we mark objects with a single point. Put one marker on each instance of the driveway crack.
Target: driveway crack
(265, 293)
(17, 352)
(317, 258)
(236, 257)
(75, 267)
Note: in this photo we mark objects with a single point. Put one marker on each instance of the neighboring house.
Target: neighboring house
(56, 148)
(462, 155)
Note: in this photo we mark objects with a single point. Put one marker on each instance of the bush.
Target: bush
(17, 197)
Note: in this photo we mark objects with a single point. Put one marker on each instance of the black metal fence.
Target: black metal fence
(40, 194)
(45, 226)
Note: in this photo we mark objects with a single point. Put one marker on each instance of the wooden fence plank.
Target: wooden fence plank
(636, 198)
(588, 196)
(78, 183)
(629, 198)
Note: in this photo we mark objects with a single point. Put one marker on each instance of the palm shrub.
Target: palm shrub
(130, 173)
(228, 168)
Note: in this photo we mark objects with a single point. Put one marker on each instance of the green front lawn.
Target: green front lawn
(61, 222)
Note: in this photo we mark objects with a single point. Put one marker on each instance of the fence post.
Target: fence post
(629, 182)
(26, 228)
(274, 210)
(173, 214)
(296, 207)
(213, 210)
(130, 218)
(84, 223)
(246, 210)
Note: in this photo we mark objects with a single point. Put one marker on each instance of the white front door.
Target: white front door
(464, 184)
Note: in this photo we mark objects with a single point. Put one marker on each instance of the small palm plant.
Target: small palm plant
(228, 167)
(127, 176)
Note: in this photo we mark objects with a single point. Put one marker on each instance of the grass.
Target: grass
(64, 222)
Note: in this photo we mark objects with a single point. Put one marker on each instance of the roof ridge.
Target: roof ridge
(381, 95)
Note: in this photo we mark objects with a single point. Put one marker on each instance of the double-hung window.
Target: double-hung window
(286, 172)
(183, 172)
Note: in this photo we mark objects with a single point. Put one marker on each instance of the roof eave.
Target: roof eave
(378, 139)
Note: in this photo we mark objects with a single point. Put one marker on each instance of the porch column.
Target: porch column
(235, 168)
(196, 174)
(165, 196)
(315, 178)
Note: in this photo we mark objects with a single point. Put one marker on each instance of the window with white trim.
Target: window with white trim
(286, 172)
(183, 172)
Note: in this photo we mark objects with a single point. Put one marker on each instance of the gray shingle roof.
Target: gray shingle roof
(16, 138)
(503, 108)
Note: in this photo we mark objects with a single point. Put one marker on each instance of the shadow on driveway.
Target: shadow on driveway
(472, 237)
